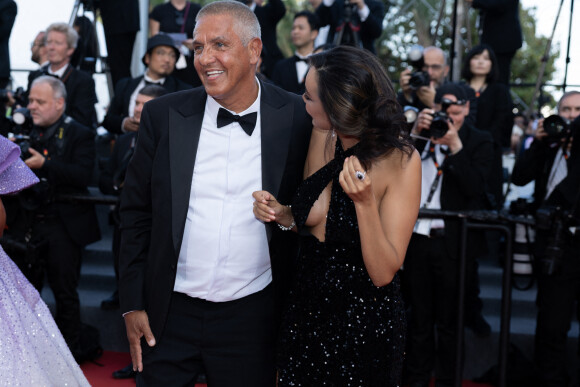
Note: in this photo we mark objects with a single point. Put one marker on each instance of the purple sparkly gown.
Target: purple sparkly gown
(32, 349)
(339, 329)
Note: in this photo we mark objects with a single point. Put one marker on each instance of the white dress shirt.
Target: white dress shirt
(224, 255)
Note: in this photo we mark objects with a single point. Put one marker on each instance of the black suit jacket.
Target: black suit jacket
(80, 94)
(500, 24)
(269, 16)
(69, 172)
(119, 107)
(285, 76)
(465, 176)
(370, 29)
(157, 187)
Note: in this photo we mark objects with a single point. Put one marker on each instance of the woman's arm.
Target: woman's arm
(385, 225)
(153, 27)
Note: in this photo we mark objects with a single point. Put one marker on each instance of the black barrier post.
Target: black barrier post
(460, 303)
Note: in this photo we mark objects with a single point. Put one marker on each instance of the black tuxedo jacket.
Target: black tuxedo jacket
(500, 24)
(8, 12)
(269, 16)
(465, 176)
(80, 94)
(285, 76)
(155, 198)
(370, 29)
(119, 107)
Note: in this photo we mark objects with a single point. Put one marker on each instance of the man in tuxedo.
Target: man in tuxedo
(269, 16)
(289, 73)
(553, 162)
(38, 49)
(61, 41)
(160, 60)
(62, 155)
(367, 14)
(201, 278)
(500, 28)
(455, 168)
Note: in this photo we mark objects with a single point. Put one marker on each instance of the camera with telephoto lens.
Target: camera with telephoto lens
(21, 130)
(555, 221)
(419, 77)
(557, 127)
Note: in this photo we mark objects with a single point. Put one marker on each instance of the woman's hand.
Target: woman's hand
(355, 181)
(268, 209)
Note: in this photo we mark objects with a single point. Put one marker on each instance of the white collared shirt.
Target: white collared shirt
(224, 254)
(133, 99)
(301, 67)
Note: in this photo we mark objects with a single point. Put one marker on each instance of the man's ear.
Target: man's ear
(255, 49)
(147, 59)
(60, 103)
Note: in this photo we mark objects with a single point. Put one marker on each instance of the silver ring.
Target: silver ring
(360, 175)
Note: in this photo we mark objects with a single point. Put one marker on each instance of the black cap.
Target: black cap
(452, 88)
(160, 40)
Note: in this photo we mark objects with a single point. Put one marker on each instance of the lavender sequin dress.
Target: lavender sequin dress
(32, 349)
(339, 329)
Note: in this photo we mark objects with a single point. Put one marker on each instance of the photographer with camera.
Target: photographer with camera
(552, 161)
(62, 155)
(418, 86)
(456, 164)
(352, 22)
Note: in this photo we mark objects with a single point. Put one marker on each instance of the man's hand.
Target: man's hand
(451, 139)
(137, 324)
(36, 161)
(130, 124)
(427, 94)
(404, 78)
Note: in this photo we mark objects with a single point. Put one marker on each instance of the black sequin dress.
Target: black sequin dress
(339, 329)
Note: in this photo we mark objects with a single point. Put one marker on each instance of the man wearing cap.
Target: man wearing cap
(160, 60)
(455, 168)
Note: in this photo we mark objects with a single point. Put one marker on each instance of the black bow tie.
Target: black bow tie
(247, 122)
(147, 83)
(298, 59)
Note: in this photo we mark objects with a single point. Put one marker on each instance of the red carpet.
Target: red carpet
(101, 376)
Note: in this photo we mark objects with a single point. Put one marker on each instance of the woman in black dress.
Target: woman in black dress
(355, 212)
(494, 105)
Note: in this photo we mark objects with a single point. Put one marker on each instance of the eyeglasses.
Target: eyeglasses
(162, 52)
(447, 102)
(435, 67)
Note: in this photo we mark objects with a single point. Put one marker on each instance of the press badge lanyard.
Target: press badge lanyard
(439, 173)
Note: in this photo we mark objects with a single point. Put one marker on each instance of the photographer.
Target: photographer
(434, 65)
(552, 161)
(368, 16)
(62, 155)
(456, 163)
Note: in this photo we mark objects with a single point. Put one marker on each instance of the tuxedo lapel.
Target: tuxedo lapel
(276, 124)
(184, 129)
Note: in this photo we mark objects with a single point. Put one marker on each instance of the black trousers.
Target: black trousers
(233, 342)
(63, 268)
(430, 279)
(120, 52)
(557, 301)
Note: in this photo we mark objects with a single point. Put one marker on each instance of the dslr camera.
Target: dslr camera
(17, 95)
(557, 127)
(439, 125)
(21, 130)
(419, 77)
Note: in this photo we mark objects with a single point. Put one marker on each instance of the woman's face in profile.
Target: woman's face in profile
(314, 106)
(480, 64)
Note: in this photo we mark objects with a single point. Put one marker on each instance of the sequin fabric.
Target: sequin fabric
(32, 349)
(339, 329)
(14, 174)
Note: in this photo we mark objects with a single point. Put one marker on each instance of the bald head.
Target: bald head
(435, 64)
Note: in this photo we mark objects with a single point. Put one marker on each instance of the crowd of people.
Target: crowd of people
(267, 224)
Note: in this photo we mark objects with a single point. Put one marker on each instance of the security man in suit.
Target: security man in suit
(61, 41)
(160, 60)
(201, 277)
(456, 167)
(290, 73)
(62, 155)
(553, 162)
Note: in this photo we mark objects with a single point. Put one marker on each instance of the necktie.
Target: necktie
(298, 59)
(247, 121)
(147, 83)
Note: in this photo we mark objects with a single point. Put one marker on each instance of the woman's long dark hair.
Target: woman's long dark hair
(493, 74)
(360, 101)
